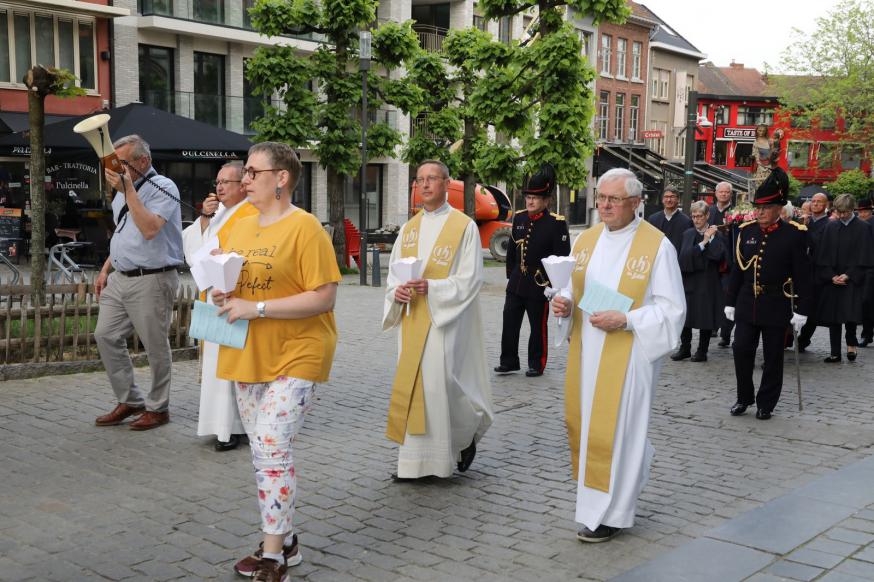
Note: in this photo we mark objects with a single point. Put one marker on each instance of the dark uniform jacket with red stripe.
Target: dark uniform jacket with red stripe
(782, 254)
(533, 239)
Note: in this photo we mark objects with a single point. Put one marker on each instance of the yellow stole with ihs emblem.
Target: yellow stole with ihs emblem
(615, 354)
(406, 411)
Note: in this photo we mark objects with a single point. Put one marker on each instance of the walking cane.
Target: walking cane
(791, 295)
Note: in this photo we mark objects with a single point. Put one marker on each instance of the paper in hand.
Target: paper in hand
(208, 325)
(405, 270)
(559, 270)
(197, 271)
(220, 272)
(599, 297)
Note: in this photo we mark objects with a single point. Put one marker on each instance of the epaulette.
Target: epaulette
(521, 211)
(747, 223)
(557, 216)
(798, 225)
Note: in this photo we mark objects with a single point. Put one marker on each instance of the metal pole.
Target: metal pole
(689, 165)
(362, 210)
(795, 343)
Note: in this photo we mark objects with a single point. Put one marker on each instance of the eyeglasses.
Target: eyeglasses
(218, 183)
(602, 198)
(252, 172)
(421, 181)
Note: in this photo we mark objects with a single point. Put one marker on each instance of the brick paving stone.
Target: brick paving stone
(131, 496)
(814, 558)
(794, 570)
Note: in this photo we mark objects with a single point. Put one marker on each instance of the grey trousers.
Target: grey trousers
(145, 305)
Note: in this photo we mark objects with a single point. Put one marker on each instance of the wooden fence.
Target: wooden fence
(59, 336)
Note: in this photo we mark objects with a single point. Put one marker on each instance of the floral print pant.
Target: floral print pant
(272, 414)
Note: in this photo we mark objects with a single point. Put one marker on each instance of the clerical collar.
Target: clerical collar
(848, 221)
(442, 210)
(536, 215)
(671, 215)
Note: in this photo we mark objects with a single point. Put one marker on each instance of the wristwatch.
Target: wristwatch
(260, 308)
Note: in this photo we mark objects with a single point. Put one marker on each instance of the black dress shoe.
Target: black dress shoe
(681, 354)
(699, 357)
(802, 345)
(533, 373)
(763, 414)
(738, 409)
(724, 343)
(851, 356)
(467, 456)
(502, 369)
(832, 360)
(602, 533)
(232, 443)
(396, 479)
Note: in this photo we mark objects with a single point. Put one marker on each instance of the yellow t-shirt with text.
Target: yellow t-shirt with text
(291, 256)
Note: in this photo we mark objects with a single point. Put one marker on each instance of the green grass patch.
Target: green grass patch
(52, 326)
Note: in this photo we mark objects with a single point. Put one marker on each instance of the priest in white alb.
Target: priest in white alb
(615, 354)
(441, 403)
(218, 413)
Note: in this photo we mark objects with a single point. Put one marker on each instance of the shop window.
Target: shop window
(798, 154)
(754, 116)
(636, 51)
(606, 53)
(586, 42)
(720, 153)
(209, 81)
(680, 145)
(661, 83)
(743, 155)
(504, 33)
(657, 144)
(826, 154)
(156, 77)
(374, 195)
(603, 115)
(619, 127)
(480, 23)
(851, 156)
(722, 112)
(55, 40)
(621, 54)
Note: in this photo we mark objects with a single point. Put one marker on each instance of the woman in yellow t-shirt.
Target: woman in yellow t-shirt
(287, 289)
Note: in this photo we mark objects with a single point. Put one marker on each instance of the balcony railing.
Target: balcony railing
(228, 112)
(419, 127)
(430, 37)
(232, 13)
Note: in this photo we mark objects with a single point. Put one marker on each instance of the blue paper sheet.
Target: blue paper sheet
(601, 298)
(206, 324)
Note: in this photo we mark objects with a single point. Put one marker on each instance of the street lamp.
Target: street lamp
(364, 54)
(691, 129)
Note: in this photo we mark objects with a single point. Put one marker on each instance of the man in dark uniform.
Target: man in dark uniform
(671, 219)
(537, 233)
(866, 214)
(771, 263)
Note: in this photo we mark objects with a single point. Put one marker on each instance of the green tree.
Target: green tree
(838, 60)
(853, 182)
(320, 92)
(41, 82)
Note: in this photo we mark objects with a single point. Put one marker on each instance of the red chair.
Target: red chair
(353, 243)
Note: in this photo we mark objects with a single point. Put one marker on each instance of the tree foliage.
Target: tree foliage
(853, 182)
(838, 58)
(320, 93)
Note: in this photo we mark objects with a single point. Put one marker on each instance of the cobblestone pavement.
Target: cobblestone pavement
(79, 502)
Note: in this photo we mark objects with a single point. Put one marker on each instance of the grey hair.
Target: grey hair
(845, 203)
(723, 184)
(140, 146)
(236, 165)
(282, 157)
(633, 187)
(699, 206)
(443, 168)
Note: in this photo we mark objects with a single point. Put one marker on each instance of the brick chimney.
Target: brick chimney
(735, 65)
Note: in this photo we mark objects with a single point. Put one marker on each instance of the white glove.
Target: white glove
(798, 321)
(729, 313)
(550, 293)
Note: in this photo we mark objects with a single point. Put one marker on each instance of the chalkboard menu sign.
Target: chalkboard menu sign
(10, 227)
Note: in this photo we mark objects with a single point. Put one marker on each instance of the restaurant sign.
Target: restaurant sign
(210, 155)
(739, 133)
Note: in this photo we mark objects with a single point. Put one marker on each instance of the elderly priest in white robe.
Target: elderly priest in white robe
(441, 402)
(218, 412)
(615, 357)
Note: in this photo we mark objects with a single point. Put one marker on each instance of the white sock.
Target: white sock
(278, 557)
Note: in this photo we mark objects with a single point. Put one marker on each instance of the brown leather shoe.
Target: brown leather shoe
(118, 414)
(150, 420)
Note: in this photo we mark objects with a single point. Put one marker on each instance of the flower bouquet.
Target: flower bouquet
(743, 212)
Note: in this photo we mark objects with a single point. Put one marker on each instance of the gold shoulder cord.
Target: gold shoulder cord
(753, 262)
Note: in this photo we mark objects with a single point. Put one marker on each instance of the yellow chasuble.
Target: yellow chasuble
(406, 411)
(615, 354)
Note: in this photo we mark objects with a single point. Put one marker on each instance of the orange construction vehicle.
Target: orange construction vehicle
(492, 211)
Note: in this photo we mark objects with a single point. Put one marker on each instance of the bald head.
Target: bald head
(818, 205)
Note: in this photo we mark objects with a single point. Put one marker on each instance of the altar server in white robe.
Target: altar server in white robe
(218, 413)
(441, 403)
(615, 357)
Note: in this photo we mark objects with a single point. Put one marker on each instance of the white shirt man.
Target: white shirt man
(444, 371)
(218, 407)
(615, 358)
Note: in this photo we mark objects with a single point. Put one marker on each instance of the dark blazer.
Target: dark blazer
(843, 249)
(673, 228)
(781, 256)
(534, 239)
(705, 298)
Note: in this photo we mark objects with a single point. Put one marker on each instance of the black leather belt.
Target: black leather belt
(141, 272)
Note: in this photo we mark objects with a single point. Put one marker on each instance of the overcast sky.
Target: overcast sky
(746, 31)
